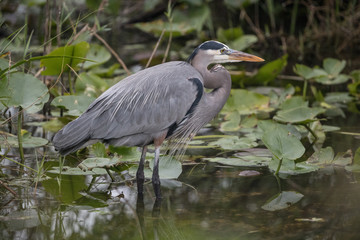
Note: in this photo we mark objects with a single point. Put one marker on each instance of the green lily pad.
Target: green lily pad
(245, 161)
(333, 66)
(355, 166)
(338, 97)
(90, 85)
(295, 110)
(309, 73)
(246, 102)
(243, 42)
(91, 163)
(55, 66)
(289, 167)
(328, 80)
(128, 154)
(270, 71)
(66, 188)
(75, 171)
(282, 200)
(23, 90)
(28, 141)
(169, 168)
(231, 122)
(75, 104)
(326, 156)
(282, 143)
(236, 143)
(99, 54)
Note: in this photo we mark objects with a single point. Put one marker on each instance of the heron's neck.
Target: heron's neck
(218, 79)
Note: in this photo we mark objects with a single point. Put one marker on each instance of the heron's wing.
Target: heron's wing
(147, 102)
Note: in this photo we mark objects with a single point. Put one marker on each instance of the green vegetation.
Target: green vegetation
(274, 118)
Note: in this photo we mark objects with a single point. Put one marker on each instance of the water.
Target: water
(208, 201)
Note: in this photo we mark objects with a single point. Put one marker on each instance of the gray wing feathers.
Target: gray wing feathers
(146, 102)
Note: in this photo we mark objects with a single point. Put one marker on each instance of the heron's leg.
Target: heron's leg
(155, 176)
(140, 178)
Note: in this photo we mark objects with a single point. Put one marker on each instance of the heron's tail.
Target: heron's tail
(73, 136)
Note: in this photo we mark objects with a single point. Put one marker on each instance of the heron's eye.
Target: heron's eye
(222, 50)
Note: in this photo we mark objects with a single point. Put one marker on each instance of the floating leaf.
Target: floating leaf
(333, 66)
(236, 143)
(289, 167)
(55, 66)
(90, 85)
(91, 163)
(98, 54)
(23, 90)
(295, 110)
(322, 157)
(338, 97)
(75, 171)
(128, 154)
(282, 143)
(355, 167)
(243, 42)
(169, 168)
(75, 104)
(325, 156)
(309, 73)
(270, 71)
(329, 80)
(28, 141)
(246, 102)
(231, 122)
(245, 161)
(282, 200)
(65, 188)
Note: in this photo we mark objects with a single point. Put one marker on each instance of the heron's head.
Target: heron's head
(217, 52)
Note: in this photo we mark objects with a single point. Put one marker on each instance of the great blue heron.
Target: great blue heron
(166, 101)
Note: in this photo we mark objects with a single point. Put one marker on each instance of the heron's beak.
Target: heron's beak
(241, 56)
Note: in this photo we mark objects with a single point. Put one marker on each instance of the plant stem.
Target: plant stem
(312, 132)
(305, 89)
(20, 139)
(293, 17)
(111, 176)
(70, 84)
(279, 166)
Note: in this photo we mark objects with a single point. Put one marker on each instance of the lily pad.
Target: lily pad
(246, 102)
(91, 163)
(338, 97)
(282, 200)
(235, 143)
(169, 168)
(307, 72)
(75, 104)
(23, 90)
(75, 171)
(355, 166)
(55, 66)
(326, 156)
(246, 161)
(90, 85)
(270, 71)
(295, 110)
(282, 143)
(28, 141)
(98, 54)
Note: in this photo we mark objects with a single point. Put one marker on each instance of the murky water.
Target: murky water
(208, 201)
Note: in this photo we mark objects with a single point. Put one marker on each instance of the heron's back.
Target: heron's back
(135, 109)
